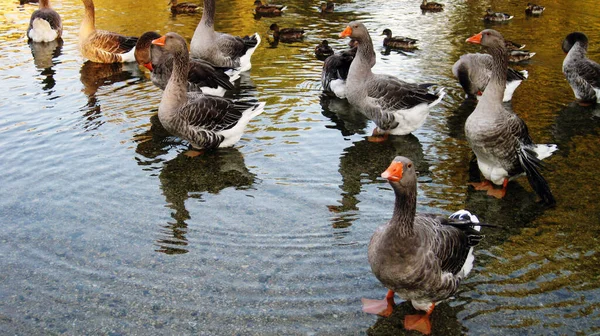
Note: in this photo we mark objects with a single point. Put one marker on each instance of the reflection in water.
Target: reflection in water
(363, 163)
(188, 177)
(456, 121)
(575, 120)
(345, 117)
(94, 76)
(45, 57)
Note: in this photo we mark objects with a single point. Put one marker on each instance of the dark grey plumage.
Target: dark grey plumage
(335, 72)
(582, 73)
(323, 50)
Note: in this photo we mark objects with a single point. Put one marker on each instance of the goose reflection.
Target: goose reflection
(45, 56)
(95, 75)
(187, 177)
(346, 118)
(575, 120)
(456, 121)
(363, 162)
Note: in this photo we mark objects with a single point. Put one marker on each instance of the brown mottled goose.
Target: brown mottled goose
(202, 76)
(45, 24)
(102, 46)
(421, 257)
(205, 121)
(395, 106)
(220, 49)
(473, 72)
(582, 73)
(500, 138)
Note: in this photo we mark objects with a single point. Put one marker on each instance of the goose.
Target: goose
(268, 9)
(398, 42)
(286, 34)
(220, 49)
(582, 73)
(533, 9)
(45, 24)
(327, 7)
(335, 71)
(421, 257)
(395, 106)
(323, 50)
(492, 16)
(473, 72)
(183, 7)
(204, 121)
(431, 6)
(498, 137)
(102, 46)
(202, 76)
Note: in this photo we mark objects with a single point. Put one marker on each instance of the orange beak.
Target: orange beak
(347, 32)
(475, 39)
(159, 41)
(148, 66)
(394, 172)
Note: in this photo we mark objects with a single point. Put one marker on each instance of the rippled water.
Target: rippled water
(107, 228)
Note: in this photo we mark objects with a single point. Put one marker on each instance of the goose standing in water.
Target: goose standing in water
(474, 71)
(395, 106)
(45, 24)
(202, 76)
(421, 257)
(582, 73)
(205, 121)
(498, 137)
(335, 71)
(102, 46)
(220, 49)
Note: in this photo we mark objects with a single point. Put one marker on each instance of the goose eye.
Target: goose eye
(409, 165)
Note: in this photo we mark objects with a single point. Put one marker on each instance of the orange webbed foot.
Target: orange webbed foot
(193, 153)
(485, 185)
(378, 136)
(498, 193)
(419, 323)
(383, 307)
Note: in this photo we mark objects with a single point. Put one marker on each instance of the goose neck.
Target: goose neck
(88, 24)
(405, 209)
(44, 4)
(175, 94)
(496, 86)
(208, 13)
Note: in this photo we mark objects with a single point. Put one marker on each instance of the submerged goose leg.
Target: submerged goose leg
(419, 322)
(378, 136)
(380, 307)
(489, 186)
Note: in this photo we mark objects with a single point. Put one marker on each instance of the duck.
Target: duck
(286, 34)
(398, 42)
(421, 257)
(45, 24)
(102, 46)
(183, 7)
(511, 45)
(395, 106)
(499, 137)
(323, 50)
(431, 6)
(533, 9)
(473, 72)
(268, 9)
(327, 7)
(492, 16)
(517, 56)
(205, 121)
(202, 76)
(221, 49)
(335, 71)
(582, 73)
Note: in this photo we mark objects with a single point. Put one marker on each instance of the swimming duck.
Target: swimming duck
(45, 24)
(102, 46)
(582, 73)
(396, 107)
(205, 121)
(492, 16)
(498, 137)
(202, 76)
(421, 257)
(327, 7)
(510, 45)
(286, 34)
(220, 49)
(323, 50)
(398, 42)
(473, 72)
(183, 7)
(533, 9)
(335, 71)
(517, 56)
(268, 9)
(431, 6)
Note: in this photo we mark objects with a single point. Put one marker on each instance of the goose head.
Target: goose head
(142, 49)
(488, 38)
(172, 43)
(573, 38)
(356, 30)
(401, 173)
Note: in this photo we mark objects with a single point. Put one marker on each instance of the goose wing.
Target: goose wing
(213, 113)
(204, 74)
(390, 93)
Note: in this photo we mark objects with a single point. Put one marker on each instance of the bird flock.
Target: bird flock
(421, 257)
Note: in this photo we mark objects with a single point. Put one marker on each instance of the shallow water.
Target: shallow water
(108, 228)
